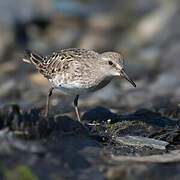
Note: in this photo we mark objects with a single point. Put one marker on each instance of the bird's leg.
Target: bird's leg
(48, 101)
(76, 107)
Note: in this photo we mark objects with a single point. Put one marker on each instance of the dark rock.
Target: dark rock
(10, 116)
(99, 114)
(169, 134)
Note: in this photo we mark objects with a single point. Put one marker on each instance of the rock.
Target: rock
(99, 114)
(171, 135)
(141, 141)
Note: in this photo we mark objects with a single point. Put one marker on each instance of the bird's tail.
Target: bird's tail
(33, 58)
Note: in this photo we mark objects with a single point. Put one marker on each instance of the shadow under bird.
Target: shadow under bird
(78, 71)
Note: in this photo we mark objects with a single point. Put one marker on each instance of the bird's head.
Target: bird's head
(113, 65)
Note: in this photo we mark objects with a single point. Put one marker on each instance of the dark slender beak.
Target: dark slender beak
(124, 75)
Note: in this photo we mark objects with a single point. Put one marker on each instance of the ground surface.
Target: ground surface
(58, 147)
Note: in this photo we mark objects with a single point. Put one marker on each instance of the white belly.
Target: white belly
(77, 87)
(73, 88)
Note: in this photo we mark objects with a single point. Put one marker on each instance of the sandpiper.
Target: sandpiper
(78, 71)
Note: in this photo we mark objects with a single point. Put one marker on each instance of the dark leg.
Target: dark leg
(48, 101)
(76, 107)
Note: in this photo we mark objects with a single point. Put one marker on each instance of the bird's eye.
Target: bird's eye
(110, 62)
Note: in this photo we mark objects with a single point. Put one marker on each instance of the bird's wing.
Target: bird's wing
(62, 62)
(69, 60)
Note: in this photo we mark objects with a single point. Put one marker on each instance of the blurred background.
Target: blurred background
(147, 33)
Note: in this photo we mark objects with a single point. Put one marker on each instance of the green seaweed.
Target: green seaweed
(26, 173)
(20, 173)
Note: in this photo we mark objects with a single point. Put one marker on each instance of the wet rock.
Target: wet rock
(146, 116)
(67, 125)
(10, 116)
(99, 114)
(142, 141)
(172, 112)
(172, 135)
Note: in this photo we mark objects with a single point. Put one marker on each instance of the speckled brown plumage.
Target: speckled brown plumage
(78, 71)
